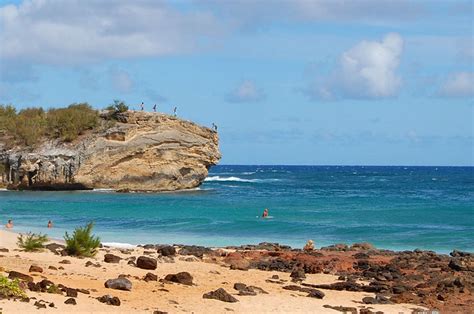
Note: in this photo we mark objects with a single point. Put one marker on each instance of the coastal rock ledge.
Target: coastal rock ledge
(140, 151)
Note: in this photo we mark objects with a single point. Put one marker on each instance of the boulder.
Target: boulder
(17, 275)
(195, 250)
(55, 248)
(167, 250)
(298, 274)
(150, 277)
(221, 295)
(70, 292)
(184, 278)
(35, 269)
(145, 262)
(71, 301)
(111, 258)
(362, 246)
(314, 293)
(119, 284)
(109, 300)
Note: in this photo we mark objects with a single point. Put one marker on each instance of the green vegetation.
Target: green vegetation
(54, 289)
(11, 288)
(29, 125)
(117, 107)
(32, 242)
(82, 242)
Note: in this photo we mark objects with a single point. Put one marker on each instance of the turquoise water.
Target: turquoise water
(391, 207)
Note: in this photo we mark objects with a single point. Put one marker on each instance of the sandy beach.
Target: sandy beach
(146, 297)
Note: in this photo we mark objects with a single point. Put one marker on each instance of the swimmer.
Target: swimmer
(265, 213)
(50, 224)
(9, 224)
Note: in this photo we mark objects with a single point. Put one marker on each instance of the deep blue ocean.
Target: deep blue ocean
(391, 207)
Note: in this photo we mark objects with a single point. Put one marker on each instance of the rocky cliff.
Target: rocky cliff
(139, 152)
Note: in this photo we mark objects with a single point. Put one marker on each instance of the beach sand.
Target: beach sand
(146, 297)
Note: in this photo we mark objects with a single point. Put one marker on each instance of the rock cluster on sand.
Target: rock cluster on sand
(184, 278)
(221, 295)
(141, 152)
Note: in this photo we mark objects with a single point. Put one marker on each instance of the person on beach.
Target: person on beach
(265, 213)
(50, 224)
(154, 108)
(9, 224)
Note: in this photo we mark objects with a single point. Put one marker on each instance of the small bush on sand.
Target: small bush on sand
(11, 288)
(32, 242)
(82, 242)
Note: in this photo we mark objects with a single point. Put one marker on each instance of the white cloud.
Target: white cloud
(121, 80)
(78, 31)
(247, 91)
(367, 70)
(459, 84)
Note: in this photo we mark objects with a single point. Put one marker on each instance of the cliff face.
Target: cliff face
(141, 152)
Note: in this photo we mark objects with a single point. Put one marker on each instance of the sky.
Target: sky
(322, 82)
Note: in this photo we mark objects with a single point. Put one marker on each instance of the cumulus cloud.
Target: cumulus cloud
(247, 91)
(78, 31)
(121, 80)
(459, 84)
(367, 70)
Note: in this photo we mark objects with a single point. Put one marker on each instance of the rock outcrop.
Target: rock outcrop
(140, 152)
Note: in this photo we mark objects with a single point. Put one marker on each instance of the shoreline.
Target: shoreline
(256, 265)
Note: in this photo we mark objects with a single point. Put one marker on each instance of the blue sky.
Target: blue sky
(369, 82)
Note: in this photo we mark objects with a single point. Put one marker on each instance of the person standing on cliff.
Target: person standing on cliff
(175, 110)
(142, 106)
(154, 108)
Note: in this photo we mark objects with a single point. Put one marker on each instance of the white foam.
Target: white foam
(229, 179)
(119, 245)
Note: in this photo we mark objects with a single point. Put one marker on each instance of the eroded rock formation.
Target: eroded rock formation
(140, 152)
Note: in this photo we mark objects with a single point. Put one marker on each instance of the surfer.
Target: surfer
(265, 213)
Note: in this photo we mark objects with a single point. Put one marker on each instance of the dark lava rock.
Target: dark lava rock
(167, 250)
(362, 246)
(40, 305)
(70, 292)
(36, 269)
(45, 284)
(36, 287)
(195, 250)
(51, 304)
(298, 274)
(379, 299)
(457, 265)
(145, 262)
(111, 258)
(109, 300)
(71, 301)
(14, 274)
(361, 255)
(184, 278)
(4, 250)
(150, 277)
(457, 253)
(65, 261)
(55, 248)
(318, 294)
(89, 263)
(131, 263)
(344, 309)
(221, 295)
(159, 312)
(275, 277)
(119, 284)
(336, 247)
(52, 268)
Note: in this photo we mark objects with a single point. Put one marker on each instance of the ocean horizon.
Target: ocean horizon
(392, 207)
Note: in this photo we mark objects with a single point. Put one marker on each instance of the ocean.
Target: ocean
(400, 208)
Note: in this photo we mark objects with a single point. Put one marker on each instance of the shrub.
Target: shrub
(11, 288)
(32, 242)
(82, 242)
(68, 123)
(117, 107)
(29, 126)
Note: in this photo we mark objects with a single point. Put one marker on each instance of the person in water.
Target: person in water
(265, 213)
(9, 224)
(50, 224)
